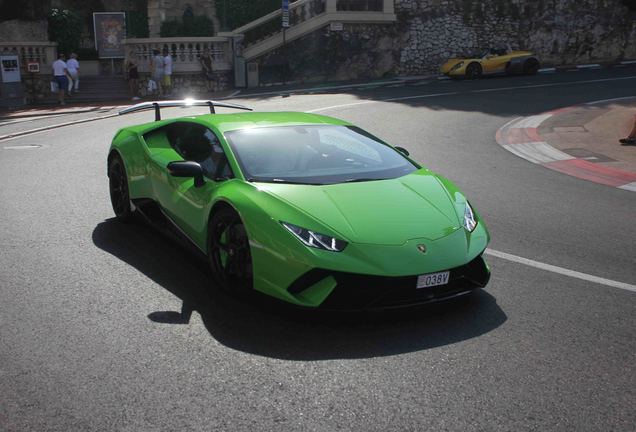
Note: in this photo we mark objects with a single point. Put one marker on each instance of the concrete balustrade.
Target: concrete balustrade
(185, 52)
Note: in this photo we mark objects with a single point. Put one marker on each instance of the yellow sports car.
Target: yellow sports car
(492, 61)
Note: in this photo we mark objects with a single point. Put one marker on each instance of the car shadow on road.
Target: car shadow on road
(252, 326)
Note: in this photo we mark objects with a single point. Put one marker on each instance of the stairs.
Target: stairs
(100, 89)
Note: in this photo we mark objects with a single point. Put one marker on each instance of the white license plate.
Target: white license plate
(432, 279)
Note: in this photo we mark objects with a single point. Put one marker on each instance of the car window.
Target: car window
(197, 143)
(315, 154)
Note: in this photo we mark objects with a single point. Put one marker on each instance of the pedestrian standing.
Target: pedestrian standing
(157, 70)
(631, 138)
(206, 64)
(167, 72)
(60, 76)
(132, 73)
(73, 69)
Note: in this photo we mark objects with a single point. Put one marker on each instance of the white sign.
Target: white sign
(285, 8)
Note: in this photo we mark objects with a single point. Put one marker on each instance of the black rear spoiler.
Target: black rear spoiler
(179, 103)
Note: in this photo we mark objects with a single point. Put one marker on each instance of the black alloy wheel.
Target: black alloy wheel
(473, 71)
(531, 66)
(229, 251)
(118, 185)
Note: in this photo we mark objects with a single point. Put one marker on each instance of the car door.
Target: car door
(186, 205)
(495, 62)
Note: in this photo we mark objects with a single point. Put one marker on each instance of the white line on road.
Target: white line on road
(561, 270)
(609, 100)
(472, 91)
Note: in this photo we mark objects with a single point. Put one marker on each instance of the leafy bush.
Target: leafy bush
(197, 26)
(137, 24)
(234, 14)
(65, 28)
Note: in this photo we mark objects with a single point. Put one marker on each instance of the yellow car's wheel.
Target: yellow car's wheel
(531, 66)
(473, 71)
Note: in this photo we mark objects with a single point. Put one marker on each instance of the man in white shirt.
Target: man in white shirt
(157, 69)
(167, 72)
(73, 69)
(60, 73)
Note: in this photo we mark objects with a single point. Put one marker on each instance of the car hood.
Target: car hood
(383, 212)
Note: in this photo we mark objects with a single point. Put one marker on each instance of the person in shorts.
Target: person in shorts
(72, 66)
(132, 74)
(60, 76)
(206, 65)
(157, 69)
(167, 72)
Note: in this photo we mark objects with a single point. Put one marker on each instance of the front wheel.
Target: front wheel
(473, 71)
(229, 251)
(118, 185)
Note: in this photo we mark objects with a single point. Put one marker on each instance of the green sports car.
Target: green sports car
(308, 209)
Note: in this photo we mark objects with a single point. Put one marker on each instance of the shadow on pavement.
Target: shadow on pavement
(249, 325)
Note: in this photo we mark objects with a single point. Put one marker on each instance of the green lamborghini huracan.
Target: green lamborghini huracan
(308, 209)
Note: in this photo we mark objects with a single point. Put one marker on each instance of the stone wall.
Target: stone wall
(428, 32)
(23, 31)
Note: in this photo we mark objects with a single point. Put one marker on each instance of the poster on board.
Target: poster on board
(110, 32)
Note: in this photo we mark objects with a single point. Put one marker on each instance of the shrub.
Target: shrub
(65, 28)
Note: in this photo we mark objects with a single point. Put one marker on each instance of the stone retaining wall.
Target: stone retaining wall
(430, 31)
(192, 85)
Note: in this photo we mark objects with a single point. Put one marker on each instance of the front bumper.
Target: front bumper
(363, 292)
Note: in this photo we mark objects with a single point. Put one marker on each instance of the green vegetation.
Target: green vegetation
(137, 24)
(197, 26)
(234, 14)
(65, 28)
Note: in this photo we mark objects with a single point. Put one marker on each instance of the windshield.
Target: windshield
(316, 154)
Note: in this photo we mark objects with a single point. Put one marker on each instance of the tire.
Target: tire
(473, 71)
(119, 192)
(229, 251)
(531, 66)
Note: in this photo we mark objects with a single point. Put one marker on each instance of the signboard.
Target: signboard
(33, 67)
(10, 69)
(285, 13)
(336, 26)
(110, 32)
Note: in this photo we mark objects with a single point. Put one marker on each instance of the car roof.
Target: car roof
(244, 120)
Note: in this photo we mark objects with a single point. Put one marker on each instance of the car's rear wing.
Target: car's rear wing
(157, 105)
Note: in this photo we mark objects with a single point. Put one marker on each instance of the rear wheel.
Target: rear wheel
(229, 251)
(531, 66)
(473, 71)
(118, 185)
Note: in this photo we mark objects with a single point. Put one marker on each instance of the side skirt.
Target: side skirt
(150, 212)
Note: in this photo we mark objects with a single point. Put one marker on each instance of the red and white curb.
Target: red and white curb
(521, 137)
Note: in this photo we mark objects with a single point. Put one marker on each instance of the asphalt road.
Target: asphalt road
(91, 337)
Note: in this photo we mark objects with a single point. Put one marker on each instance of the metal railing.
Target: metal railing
(270, 24)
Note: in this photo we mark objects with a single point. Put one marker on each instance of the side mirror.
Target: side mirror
(187, 169)
(402, 150)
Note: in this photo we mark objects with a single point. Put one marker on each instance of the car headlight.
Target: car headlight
(457, 66)
(470, 223)
(314, 239)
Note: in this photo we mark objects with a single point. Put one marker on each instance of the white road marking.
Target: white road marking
(473, 91)
(538, 152)
(629, 186)
(532, 121)
(628, 62)
(589, 66)
(547, 70)
(609, 100)
(561, 270)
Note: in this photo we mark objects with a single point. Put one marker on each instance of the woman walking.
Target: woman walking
(133, 76)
